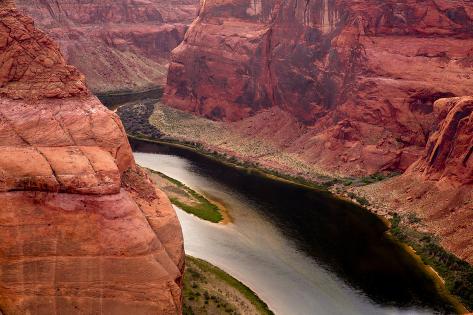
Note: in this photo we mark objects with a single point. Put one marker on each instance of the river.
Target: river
(302, 251)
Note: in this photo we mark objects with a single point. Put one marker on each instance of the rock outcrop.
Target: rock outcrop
(448, 157)
(439, 186)
(360, 76)
(83, 229)
(118, 45)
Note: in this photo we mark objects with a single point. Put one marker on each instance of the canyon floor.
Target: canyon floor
(238, 139)
(235, 143)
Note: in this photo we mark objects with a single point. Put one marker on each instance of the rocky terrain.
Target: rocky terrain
(359, 78)
(439, 186)
(83, 229)
(119, 45)
(340, 88)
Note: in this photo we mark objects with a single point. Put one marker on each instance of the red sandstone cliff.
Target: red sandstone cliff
(448, 157)
(118, 45)
(360, 76)
(439, 186)
(83, 230)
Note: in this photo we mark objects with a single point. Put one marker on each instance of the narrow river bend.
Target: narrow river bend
(302, 251)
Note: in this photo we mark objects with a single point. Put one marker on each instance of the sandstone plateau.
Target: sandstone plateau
(118, 45)
(358, 78)
(83, 229)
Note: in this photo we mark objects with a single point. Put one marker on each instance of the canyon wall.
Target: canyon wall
(448, 155)
(83, 229)
(118, 45)
(359, 77)
(439, 186)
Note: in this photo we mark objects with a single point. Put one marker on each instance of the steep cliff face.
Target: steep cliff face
(118, 45)
(360, 76)
(83, 229)
(439, 186)
(448, 157)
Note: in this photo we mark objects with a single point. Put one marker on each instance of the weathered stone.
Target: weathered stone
(362, 76)
(439, 186)
(83, 230)
(118, 45)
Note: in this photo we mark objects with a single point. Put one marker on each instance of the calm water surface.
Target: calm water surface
(302, 251)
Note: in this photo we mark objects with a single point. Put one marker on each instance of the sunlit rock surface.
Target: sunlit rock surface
(83, 229)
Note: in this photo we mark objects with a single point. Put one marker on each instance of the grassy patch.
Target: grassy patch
(204, 290)
(201, 208)
(458, 274)
(206, 211)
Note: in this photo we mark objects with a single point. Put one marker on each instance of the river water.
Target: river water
(302, 251)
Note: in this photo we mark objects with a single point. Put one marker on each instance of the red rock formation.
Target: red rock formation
(118, 45)
(362, 76)
(83, 229)
(448, 158)
(439, 186)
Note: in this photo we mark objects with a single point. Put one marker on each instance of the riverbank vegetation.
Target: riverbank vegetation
(186, 198)
(143, 122)
(457, 274)
(135, 119)
(210, 290)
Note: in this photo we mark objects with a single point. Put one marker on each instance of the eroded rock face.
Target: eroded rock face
(362, 76)
(83, 229)
(439, 186)
(118, 45)
(31, 64)
(448, 156)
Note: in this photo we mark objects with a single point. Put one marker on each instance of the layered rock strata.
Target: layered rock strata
(360, 77)
(83, 229)
(118, 45)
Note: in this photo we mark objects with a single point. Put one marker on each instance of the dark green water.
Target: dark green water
(338, 237)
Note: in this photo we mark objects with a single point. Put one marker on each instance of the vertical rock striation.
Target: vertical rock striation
(83, 229)
(118, 45)
(360, 76)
